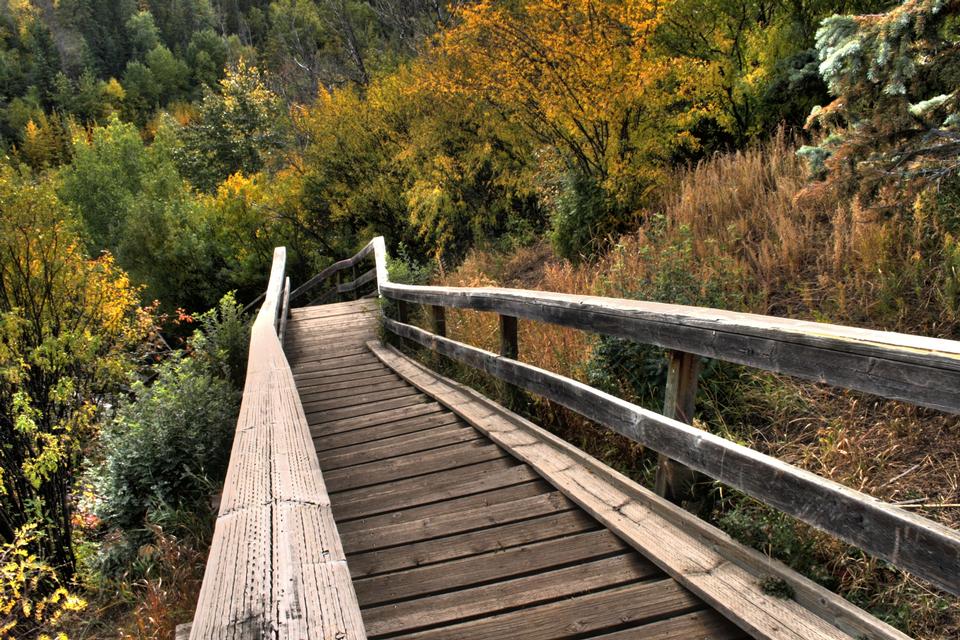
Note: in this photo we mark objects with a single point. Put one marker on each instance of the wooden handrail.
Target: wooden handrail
(332, 270)
(276, 567)
(918, 370)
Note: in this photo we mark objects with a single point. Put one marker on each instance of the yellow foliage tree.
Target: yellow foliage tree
(68, 324)
(585, 77)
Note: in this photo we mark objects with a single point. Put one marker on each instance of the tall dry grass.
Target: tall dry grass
(751, 222)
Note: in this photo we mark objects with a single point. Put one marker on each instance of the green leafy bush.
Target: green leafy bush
(636, 371)
(223, 339)
(166, 447)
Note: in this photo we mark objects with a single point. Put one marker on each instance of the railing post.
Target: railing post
(353, 274)
(510, 348)
(439, 320)
(674, 480)
(339, 281)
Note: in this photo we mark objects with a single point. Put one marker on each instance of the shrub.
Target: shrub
(164, 448)
(223, 339)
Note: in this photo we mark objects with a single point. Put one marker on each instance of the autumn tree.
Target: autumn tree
(67, 323)
(587, 82)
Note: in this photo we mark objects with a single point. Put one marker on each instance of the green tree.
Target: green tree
(142, 33)
(895, 78)
(169, 72)
(242, 128)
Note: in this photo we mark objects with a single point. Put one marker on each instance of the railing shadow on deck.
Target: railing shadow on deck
(918, 370)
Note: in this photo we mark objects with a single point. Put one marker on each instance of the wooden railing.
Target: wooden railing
(918, 370)
(276, 566)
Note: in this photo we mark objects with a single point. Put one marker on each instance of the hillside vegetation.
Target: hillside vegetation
(788, 158)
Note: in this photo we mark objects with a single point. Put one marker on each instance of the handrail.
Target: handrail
(923, 371)
(276, 566)
(918, 370)
(334, 268)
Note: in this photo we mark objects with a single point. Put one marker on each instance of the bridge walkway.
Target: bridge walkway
(449, 535)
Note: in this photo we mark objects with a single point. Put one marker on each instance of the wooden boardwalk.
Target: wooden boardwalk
(369, 496)
(447, 534)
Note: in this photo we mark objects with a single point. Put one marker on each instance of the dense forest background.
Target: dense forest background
(794, 157)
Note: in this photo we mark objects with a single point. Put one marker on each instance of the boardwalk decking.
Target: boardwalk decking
(447, 534)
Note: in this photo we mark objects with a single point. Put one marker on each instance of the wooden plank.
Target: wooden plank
(327, 442)
(359, 399)
(463, 545)
(397, 445)
(324, 328)
(323, 352)
(336, 362)
(333, 310)
(705, 625)
(408, 466)
(430, 489)
(374, 419)
(702, 558)
(445, 507)
(388, 383)
(498, 564)
(276, 565)
(488, 599)
(284, 310)
(319, 417)
(345, 377)
(919, 370)
(916, 544)
(437, 526)
(580, 615)
(336, 374)
(338, 386)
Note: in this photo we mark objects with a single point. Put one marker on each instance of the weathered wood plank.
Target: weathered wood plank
(319, 417)
(397, 445)
(583, 614)
(499, 564)
(437, 526)
(374, 419)
(421, 490)
(509, 594)
(446, 507)
(388, 383)
(449, 457)
(919, 545)
(706, 625)
(359, 399)
(328, 442)
(276, 566)
(469, 544)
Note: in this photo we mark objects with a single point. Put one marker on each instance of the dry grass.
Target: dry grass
(749, 219)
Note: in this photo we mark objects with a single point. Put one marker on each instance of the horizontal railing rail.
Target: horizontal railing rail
(918, 370)
(336, 271)
(276, 567)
